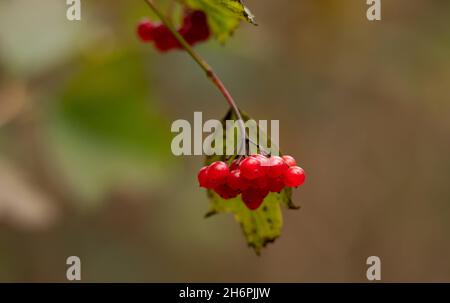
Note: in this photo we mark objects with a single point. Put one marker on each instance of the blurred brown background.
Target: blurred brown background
(86, 167)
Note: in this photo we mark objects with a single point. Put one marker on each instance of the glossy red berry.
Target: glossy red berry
(262, 183)
(251, 168)
(145, 30)
(265, 163)
(203, 179)
(276, 185)
(294, 177)
(218, 173)
(252, 198)
(226, 192)
(251, 179)
(277, 167)
(236, 182)
(264, 192)
(290, 161)
(263, 159)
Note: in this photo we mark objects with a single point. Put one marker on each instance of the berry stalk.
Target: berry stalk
(206, 68)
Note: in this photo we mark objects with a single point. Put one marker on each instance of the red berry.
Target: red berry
(265, 164)
(264, 192)
(253, 198)
(251, 168)
(276, 185)
(195, 27)
(294, 177)
(145, 30)
(226, 192)
(262, 183)
(164, 39)
(203, 179)
(236, 182)
(261, 158)
(277, 167)
(290, 161)
(218, 173)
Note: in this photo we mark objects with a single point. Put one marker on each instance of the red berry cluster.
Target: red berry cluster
(194, 29)
(254, 178)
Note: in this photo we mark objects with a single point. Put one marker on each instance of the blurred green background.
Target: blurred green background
(86, 167)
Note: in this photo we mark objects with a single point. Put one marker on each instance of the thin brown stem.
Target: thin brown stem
(206, 68)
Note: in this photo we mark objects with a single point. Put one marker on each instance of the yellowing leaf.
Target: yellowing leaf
(260, 227)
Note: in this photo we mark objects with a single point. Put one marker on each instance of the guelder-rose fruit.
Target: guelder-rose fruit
(254, 178)
(226, 192)
(290, 161)
(203, 179)
(294, 177)
(164, 39)
(253, 198)
(195, 27)
(218, 172)
(251, 168)
(145, 30)
(276, 185)
(236, 182)
(262, 183)
(277, 167)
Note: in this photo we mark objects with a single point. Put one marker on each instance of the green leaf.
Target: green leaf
(262, 226)
(224, 16)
